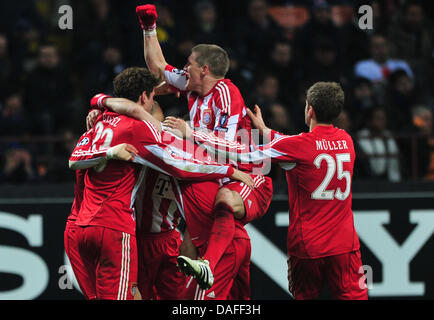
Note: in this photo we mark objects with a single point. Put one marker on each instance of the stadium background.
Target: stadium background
(277, 50)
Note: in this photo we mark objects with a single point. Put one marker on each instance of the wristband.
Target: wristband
(98, 101)
(150, 32)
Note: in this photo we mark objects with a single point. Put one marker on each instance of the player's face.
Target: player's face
(194, 72)
(148, 102)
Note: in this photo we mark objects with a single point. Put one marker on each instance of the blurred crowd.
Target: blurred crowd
(277, 50)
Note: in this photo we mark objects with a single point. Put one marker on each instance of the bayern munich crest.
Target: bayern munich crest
(207, 116)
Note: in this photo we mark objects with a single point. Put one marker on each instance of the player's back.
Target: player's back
(319, 186)
(110, 189)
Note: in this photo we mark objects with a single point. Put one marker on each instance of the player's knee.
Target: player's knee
(232, 199)
(226, 196)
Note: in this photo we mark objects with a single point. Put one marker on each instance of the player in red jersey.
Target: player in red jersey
(215, 104)
(322, 242)
(107, 238)
(71, 229)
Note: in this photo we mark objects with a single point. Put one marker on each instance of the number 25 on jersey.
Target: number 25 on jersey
(321, 193)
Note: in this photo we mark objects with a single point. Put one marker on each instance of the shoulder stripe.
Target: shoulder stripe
(154, 131)
(220, 142)
(225, 89)
(223, 99)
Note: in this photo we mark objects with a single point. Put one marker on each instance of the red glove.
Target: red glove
(147, 15)
(97, 101)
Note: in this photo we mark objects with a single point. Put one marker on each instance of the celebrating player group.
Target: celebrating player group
(140, 179)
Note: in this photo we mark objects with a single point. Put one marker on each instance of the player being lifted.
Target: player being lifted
(106, 239)
(322, 242)
(215, 104)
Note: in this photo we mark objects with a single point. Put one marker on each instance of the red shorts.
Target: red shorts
(257, 200)
(71, 249)
(110, 261)
(231, 275)
(341, 273)
(159, 277)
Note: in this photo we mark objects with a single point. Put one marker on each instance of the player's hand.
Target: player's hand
(123, 151)
(91, 118)
(257, 119)
(147, 15)
(243, 177)
(97, 101)
(178, 127)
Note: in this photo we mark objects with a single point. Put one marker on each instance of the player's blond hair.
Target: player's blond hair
(215, 57)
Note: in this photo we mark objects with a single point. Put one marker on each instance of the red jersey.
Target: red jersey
(319, 169)
(221, 110)
(111, 187)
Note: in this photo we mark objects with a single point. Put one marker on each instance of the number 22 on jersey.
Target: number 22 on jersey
(103, 139)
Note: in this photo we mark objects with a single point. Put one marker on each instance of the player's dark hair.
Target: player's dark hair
(131, 83)
(327, 100)
(215, 57)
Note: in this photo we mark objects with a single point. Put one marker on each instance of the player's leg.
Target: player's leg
(235, 200)
(116, 274)
(246, 204)
(255, 201)
(170, 282)
(199, 201)
(88, 241)
(305, 277)
(71, 248)
(148, 266)
(225, 272)
(240, 289)
(345, 276)
(227, 202)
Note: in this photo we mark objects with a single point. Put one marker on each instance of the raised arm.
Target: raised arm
(154, 57)
(172, 79)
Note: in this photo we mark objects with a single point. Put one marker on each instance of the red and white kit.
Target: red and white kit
(221, 110)
(158, 240)
(107, 211)
(319, 168)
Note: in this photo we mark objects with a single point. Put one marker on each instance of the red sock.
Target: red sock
(222, 233)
